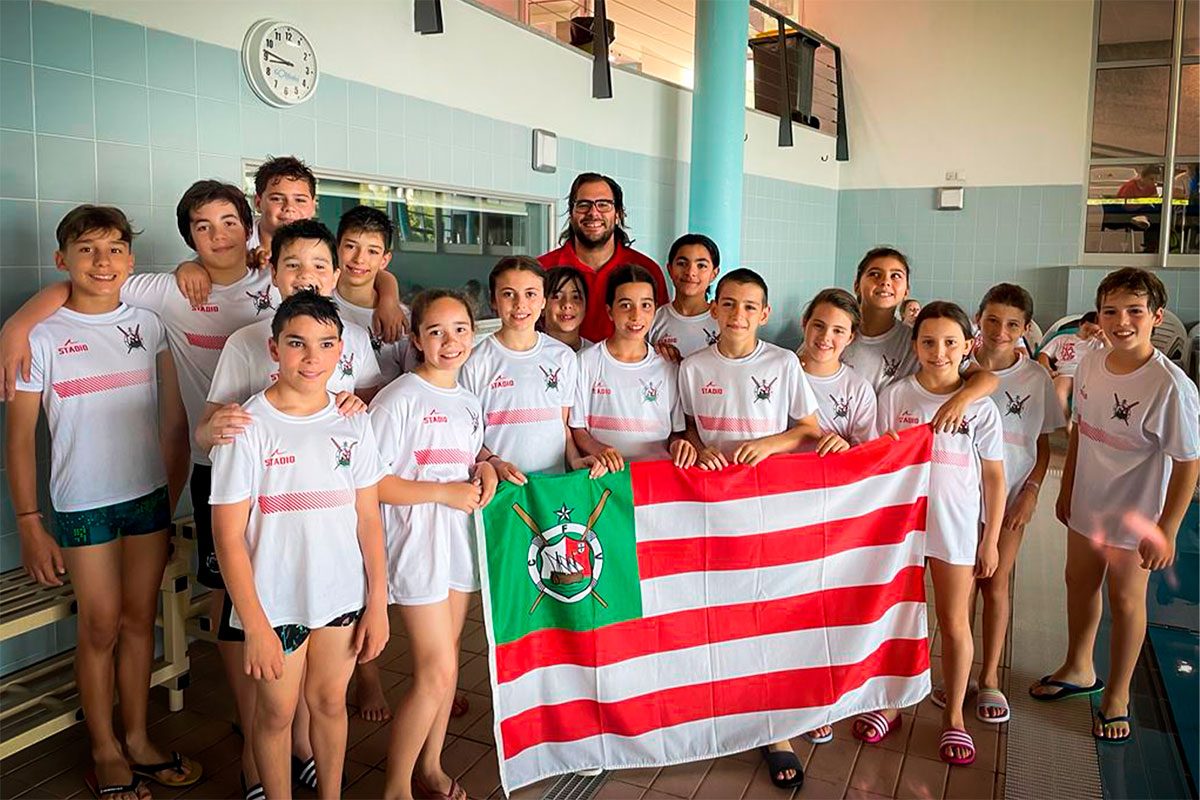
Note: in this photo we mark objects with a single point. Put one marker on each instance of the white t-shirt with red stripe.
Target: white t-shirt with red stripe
(956, 477)
(633, 407)
(883, 359)
(846, 406)
(393, 358)
(301, 475)
(97, 373)
(197, 333)
(1068, 350)
(1028, 408)
(246, 366)
(523, 394)
(1130, 427)
(688, 334)
(735, 400)
(427, 433)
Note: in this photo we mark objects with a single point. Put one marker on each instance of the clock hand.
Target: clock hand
(276, 59)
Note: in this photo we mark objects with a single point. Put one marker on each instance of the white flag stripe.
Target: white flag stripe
(705, 738)
(861, 566)
(815, 647)
(754, 515)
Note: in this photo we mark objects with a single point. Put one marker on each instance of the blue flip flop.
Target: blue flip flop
(1106, 721)
(1067, 689)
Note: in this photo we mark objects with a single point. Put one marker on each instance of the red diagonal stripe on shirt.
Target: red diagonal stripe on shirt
(446, 455)
(305, 501)
(102, 383)
(626, 424)
(523, 416)
(206, 341)
(735, 424)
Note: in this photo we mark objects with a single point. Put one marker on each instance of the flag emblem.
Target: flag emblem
(566, 559)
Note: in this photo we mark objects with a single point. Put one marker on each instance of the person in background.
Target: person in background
(909, 310)
(566, 306)
(686, 324)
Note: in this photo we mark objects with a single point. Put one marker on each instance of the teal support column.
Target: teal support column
(719, 125)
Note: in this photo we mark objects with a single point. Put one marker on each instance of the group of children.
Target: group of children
(334, 472)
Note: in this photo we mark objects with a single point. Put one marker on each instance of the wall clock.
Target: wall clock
(280, 63)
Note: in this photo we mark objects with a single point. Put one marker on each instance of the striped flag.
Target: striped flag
(659, 616)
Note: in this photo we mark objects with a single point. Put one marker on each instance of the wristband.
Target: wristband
(488, 460)
(1034, 484)
(35, 512)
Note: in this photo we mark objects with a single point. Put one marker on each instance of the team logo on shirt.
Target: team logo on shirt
(261, 301)
(346, 365)
(890, 367)
(671, 340)
(1067, 352)
(566, 559)
(133, 338)
(841, 406)
(763, 389)
(343, 452)
(434, 416)
(502, 382)
(1016, 405)
(551, 377)
(600, 388)
(70, 347)
(208, 308)
(376, 340)
(649, 390)
(908, 418)
(711, 388)
(278, 458)
(474, 422)
(964, 427)
(1123, 408)
(711, 336)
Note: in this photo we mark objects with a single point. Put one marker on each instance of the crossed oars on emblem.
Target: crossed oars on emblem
(591, 520)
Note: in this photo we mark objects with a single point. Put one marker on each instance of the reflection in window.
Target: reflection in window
(1187, 138)
(1186, 214)
(1135, 29)
(1124, 213)
(1129, 118)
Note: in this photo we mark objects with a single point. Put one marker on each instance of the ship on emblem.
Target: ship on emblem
(565, 560)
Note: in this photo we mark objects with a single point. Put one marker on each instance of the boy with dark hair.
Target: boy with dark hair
(296, 513)
(96, 360)
(1130, 472)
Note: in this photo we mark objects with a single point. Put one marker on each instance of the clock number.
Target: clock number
(278, 36)
(277, 83)
(304, 83)
(289, 36)
(306, 55)
(268, 70)
(270, 42)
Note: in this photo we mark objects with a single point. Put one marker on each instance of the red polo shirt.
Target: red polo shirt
(596, 324)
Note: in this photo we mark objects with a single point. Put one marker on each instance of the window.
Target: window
(443, 238)
(1141, 184)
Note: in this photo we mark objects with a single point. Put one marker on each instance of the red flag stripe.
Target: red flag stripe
(102, 383)
(628, 424)
(305, 501)
(799, 688)
(855, 605)
(659, 481)
(205, 341)
(443, 456)
(888, 525)
(523, 416)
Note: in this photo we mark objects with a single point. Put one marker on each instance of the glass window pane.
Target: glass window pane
(1191, 27)
(1124, 209)
(1187, 138)
(1135, 29)
(1129, 116)
(1185, 213)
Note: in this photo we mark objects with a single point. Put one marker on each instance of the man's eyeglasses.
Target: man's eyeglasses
(584, 206)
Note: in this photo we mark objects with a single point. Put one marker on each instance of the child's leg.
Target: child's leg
(429, 764)
(368, 693)
(302, 747)
(274, 707)
(330, 661)
(231, 647)
(1086, 565)
(96, 578)
(952, 587)
(431, 637)
(1127, 602)
(997, 605)
(1062, 389)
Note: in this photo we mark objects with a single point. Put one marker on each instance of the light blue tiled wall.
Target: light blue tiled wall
(1027, 235)
(94, 109)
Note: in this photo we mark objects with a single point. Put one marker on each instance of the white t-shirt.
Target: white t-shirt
(394, 358)
(1028, 408)
(1067, 351)
(1130, 427)
(689, 334)
(955, 478)
(197, 334)
(301, 474)
(246, 366)
(523, 395)
(98, 379)
(883, 359)
(735, 400)
(633, 407)
(845, 405)
(426, 433)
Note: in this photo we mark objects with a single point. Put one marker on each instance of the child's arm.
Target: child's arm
(806, 429)
(683, 452)
(988, 555)
(1062, 507)
(40, 554)
(505, 470)
(589, 445)
(979, 383)
(193, 282)
(221, 424)
(460, 495)
(1158, 553)
(172, 428)
(706, 457)
(371, 633)
(262, 658)
(15, 356)
(388, 320)
(1017, 516)
(485, 474)
(1044, 360)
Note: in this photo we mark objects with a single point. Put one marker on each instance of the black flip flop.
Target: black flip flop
(305, 772)
(781, 760)
(1106, 721)
(1066, 689)
(175, 764)
(100, 792)
(255, 792)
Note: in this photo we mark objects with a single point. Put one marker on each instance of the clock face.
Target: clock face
(280, 63)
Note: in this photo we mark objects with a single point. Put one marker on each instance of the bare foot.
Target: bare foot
(461, 705)
(368, 696)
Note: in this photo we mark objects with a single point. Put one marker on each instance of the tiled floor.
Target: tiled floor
(904, 765)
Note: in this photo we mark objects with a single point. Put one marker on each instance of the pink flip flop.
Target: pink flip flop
(953, 737)
(879, 727)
